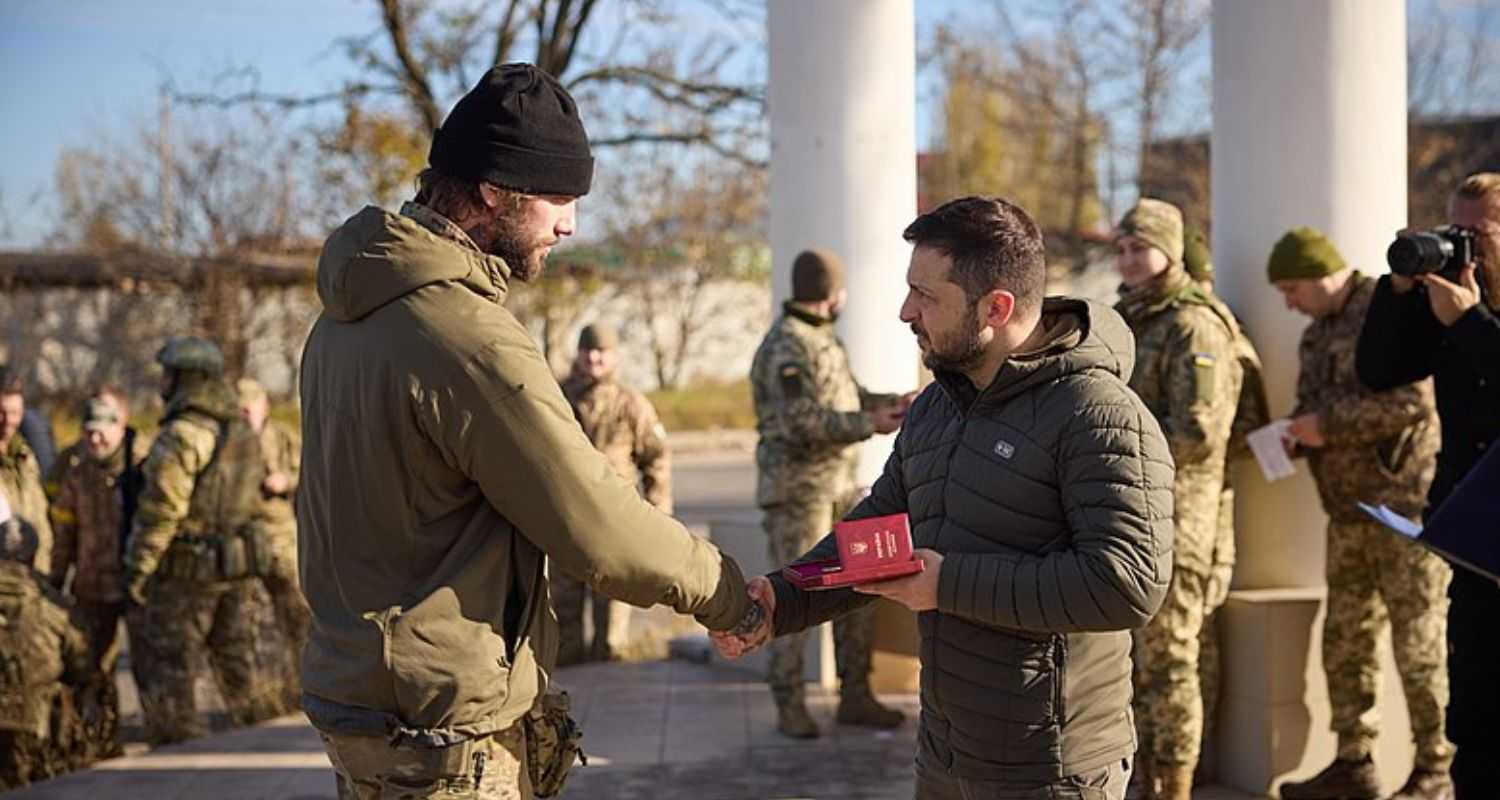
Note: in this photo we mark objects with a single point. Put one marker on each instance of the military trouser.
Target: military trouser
(1168, 698)
(183, 622)
(611, 622)
(792, 529)
(101, 622)
(1221, 574)
(293, 617)
(1373, 577)
(491, 767)
(70, 744)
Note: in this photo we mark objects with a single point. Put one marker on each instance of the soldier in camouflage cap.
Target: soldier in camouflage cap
(189, 561)
(1373, 447)
(47, 673)
(810, 412)
(94, 491)
(282, 447)
(1189, 375)
(623, 425)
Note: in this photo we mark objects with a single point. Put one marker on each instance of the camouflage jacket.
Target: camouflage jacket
(87, 514)
(199, 421)
(282, 447)
(21, 483)
(808, 411)
(42, 648)
(1381, 446)
(623, 425)
(1188, 373)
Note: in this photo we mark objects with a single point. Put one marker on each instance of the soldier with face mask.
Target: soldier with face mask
(189, 561)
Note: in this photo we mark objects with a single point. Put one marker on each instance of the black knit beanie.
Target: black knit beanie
(518, 128)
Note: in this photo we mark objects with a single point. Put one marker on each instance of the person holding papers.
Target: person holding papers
(1378, 448)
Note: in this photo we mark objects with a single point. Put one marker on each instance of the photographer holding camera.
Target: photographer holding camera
(1436, 315)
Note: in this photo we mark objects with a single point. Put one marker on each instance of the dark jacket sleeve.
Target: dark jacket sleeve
(1477, 334)
(798, 610)
(535, 466)
(1115, 475)
(1399, 337)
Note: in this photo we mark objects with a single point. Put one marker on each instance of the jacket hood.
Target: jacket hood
(377, 257)
(1080, 336)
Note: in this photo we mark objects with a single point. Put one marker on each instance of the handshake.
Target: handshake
(917, 592)
(754, 629)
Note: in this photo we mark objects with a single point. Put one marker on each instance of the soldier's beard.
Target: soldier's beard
(504, 236)
(958, 352)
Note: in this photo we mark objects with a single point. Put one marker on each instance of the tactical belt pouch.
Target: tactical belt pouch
(258, 544)
(234, 557)
(434, 773)
(551, 744)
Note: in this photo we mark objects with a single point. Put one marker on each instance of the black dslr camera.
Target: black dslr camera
(1445, 250)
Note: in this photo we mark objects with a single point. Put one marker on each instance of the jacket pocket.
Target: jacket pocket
(1392, 454)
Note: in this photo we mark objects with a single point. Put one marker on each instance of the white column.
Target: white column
(843, 170)
(1309, 129)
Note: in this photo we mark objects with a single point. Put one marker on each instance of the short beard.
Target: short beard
(960, 355)
(501, 235)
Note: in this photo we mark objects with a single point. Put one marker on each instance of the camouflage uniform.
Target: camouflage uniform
(21, 483)
(1252, 412)
(809, 412)
(282, 448)
(369, 768)
(188, 562)
(48, 681)
(622, 424)
(88, 512)
(1188, 373)
(1380, 448)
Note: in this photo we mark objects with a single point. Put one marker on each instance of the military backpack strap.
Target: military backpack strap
(132, 482)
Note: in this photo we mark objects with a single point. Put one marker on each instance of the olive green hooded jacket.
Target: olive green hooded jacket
(441, 468)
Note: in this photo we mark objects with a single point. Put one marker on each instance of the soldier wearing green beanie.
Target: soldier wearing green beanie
(1375, 447)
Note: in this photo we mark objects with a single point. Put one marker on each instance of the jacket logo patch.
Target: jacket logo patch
(1004, 449)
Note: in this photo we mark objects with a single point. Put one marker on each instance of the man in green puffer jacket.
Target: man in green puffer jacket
(1039, 491)
(442, 468)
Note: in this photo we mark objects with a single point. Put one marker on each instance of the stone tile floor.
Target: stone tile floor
(666, 730)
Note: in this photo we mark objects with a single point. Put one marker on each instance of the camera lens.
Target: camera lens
(1418, 253)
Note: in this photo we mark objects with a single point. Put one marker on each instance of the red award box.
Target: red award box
(870, 550)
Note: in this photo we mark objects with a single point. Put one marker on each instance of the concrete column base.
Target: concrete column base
(1274, 712)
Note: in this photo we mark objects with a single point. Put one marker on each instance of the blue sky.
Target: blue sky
(75, 70)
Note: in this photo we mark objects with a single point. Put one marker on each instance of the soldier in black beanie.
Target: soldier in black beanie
(445, 478)
(507, 166)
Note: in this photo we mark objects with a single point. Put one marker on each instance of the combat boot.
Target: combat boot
(861, 708)
(1341, 780)
(1176, 782)
(792, 719)
(1425, 784)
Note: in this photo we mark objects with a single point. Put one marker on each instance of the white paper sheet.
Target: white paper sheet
(1269, 452)
(1392, 520)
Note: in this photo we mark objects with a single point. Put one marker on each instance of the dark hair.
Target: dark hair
(457, 198)
(11, 381)
(994, 244)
